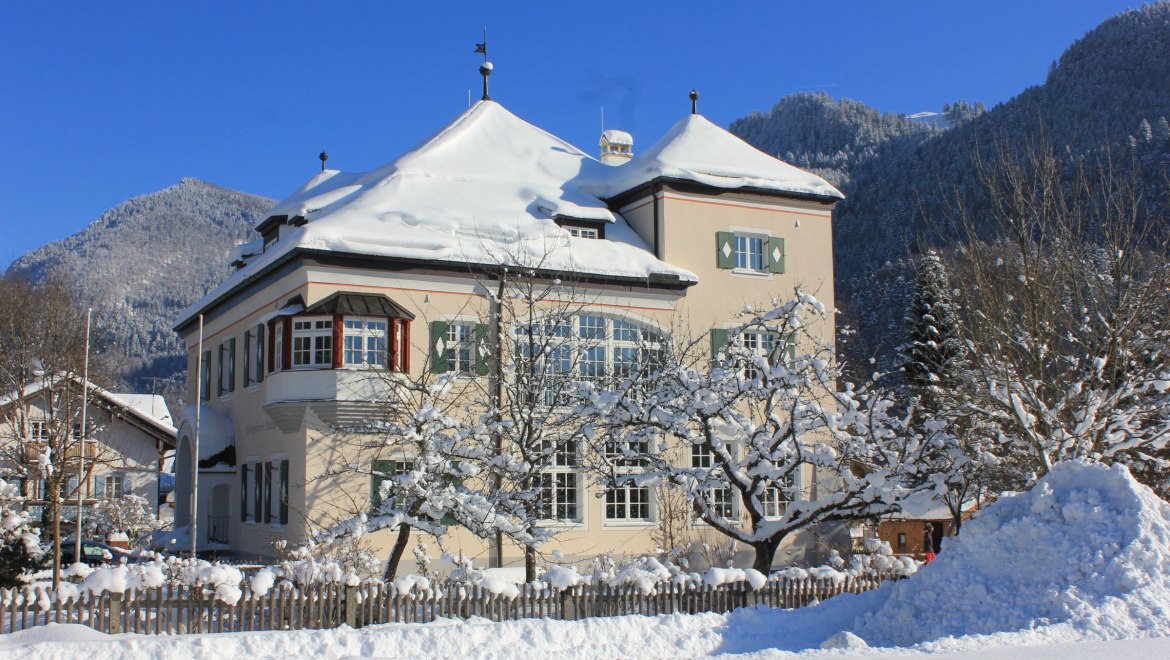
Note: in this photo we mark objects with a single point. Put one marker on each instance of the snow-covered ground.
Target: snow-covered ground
(1076, 568)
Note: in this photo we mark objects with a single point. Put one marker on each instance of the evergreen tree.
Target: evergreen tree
(932, 356)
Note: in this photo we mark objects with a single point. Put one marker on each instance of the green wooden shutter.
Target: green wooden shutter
(790, 350)
(260, 353)
(266, 492)
(379, 469)
(243, 492)
(247, 357)
(724, 249)
(719, 339)
(257, 491)
(284, 492)
(482, 356)
(439, 347)
(776, 254)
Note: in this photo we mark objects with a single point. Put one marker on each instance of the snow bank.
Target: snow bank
(1088, 548)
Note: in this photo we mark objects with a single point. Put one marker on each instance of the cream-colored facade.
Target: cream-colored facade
(285, 419)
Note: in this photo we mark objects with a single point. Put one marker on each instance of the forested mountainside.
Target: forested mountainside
(1110, 87)
(143, 261)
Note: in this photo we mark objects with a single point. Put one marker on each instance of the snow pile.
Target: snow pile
(1088, 548)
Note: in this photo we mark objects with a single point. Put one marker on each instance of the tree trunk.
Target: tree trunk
(396, 552)
(529, 563)
(55, 512)
(765, 552)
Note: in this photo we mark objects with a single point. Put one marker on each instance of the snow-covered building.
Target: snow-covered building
(130, 438)
(393, 267)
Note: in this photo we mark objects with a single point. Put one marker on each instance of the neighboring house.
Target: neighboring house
(920, 526)
(129, 439)
(390, 269)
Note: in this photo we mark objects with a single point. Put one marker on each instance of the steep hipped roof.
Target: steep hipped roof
(488, 189)
(696, 150)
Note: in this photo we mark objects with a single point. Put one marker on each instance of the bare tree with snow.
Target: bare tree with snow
(1067, 311)
(775, 445)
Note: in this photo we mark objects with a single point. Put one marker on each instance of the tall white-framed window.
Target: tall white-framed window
(114, 487)
(312, 339)
(628, 503)
(39, 429)
(365, 342)
(560, 483)
(227, 367)
(278, 347)
(749, 252)
(760, 345)
(460, 349)
(590, 347)
(722, 503)
(775, 499)
(205, 376)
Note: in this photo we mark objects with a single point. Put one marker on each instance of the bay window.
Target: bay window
(312, 345)
(364, 342)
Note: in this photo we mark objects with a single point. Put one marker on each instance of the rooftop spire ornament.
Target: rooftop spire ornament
(694, 102)
(324, 157)
(485, 69)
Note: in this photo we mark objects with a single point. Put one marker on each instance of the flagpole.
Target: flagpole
(195, 451)
(84, 431)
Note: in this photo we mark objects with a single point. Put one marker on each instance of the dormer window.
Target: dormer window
(582, 228)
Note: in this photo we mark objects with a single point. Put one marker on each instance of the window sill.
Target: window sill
(562, 525)
(628, 524)
(751, 274)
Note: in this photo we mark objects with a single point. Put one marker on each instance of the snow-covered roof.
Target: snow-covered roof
(926, 505)
(216, 432)
(696, 150)
(147, 408)
(153, 405)
(614, 136)
(488, 188)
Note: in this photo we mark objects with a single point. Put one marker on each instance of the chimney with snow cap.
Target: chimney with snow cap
(616, 147)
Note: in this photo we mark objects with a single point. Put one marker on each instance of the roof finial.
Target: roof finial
(694, 102)
(324, 157)
(485, 69)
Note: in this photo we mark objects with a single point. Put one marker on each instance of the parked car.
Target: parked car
(94, 553)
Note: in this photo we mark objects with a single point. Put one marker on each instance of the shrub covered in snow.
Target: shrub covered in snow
(20, 545)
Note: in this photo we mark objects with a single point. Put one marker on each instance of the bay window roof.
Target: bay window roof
(360, 304)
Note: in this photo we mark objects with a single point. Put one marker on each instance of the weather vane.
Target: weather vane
(485, 69)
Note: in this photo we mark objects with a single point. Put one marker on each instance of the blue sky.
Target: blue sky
(100, 102)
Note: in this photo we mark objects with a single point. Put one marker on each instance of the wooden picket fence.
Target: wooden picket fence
(178, 610)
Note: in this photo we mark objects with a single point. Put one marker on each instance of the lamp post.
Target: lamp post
(84, 432)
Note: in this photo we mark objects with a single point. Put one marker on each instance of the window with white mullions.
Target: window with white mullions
(364, 342)
(749, 252)
(628, 503)
(460, 352)
(757, 344)
(560, 483)
(775, 498)
(721, 501)
(312, 342)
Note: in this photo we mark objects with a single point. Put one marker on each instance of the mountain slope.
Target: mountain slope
(143, 261)
(1110, 87)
